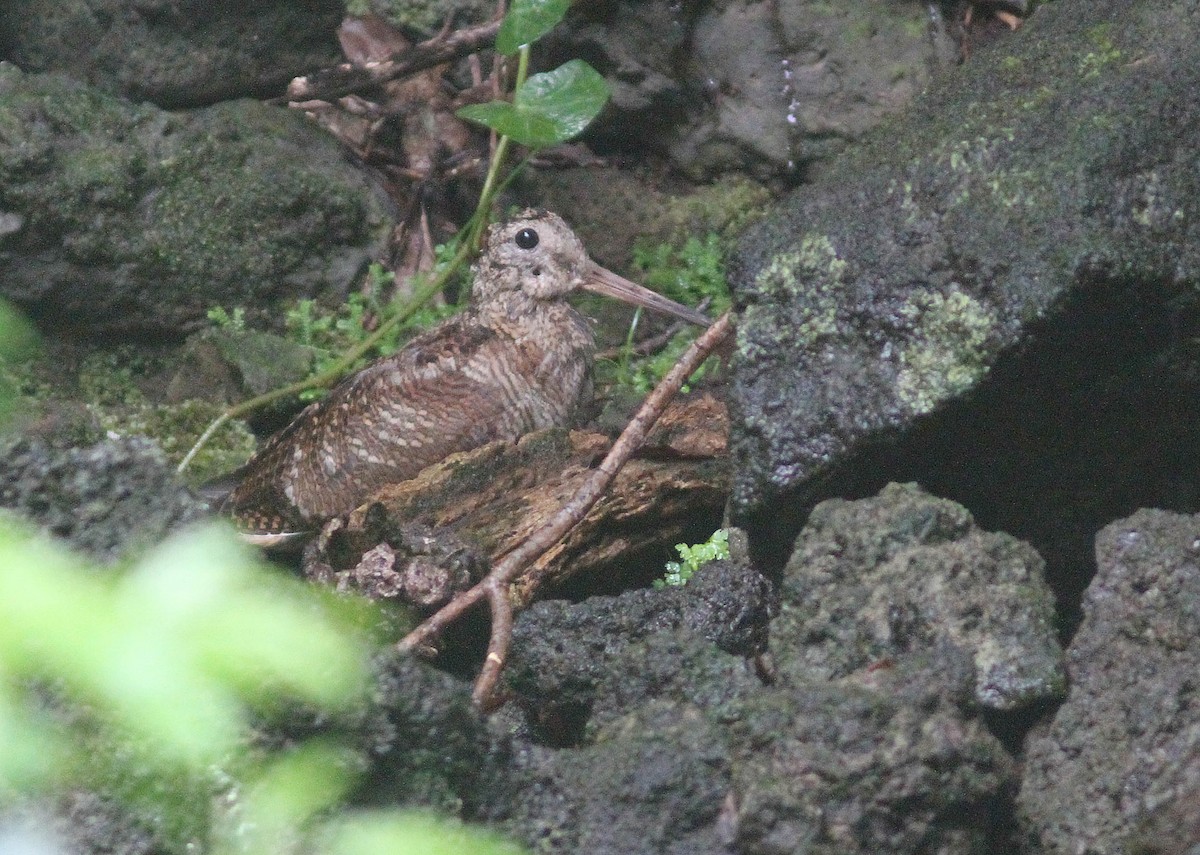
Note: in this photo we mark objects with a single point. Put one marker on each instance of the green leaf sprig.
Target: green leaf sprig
(546, 109)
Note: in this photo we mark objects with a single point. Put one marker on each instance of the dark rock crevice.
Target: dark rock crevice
(1087, 420)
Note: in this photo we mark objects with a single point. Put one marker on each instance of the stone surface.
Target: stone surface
(982, 297)
(78, 822)
(126, 218)
(580, 656)
(225, 366)
(879, 579)
(758, 88)
(653, 782)
(862, 742)
(886, 763)
(628, 754)
(109, 500)
(425, 743)
(1126, 744)
(174, 54)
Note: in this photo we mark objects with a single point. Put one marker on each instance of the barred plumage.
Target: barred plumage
(517, 359)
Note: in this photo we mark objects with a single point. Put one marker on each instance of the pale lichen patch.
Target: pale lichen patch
(947, 351)
(810, 279)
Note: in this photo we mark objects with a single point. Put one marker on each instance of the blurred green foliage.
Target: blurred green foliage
(141, 684)
(171, 659)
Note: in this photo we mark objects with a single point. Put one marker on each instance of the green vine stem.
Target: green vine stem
(335, 372)
(480, 218)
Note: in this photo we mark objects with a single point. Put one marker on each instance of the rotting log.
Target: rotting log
(492, 498)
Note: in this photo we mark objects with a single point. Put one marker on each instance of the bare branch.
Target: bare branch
(332, 83)
(495, 586)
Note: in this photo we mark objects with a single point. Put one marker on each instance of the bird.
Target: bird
(518, 358)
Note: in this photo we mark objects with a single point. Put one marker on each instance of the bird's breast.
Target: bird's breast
(460, 386)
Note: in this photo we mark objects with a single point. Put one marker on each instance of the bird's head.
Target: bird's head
(534, 252)
(537, 253)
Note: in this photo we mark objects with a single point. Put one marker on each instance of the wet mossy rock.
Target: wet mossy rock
(1121, 760)
(121, 217)
(903, 572)
(109, 500)
(1051, 170)
(185, 53)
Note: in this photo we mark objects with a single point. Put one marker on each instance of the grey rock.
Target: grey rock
(654, 782)
(764, 88)
(134, 219)
(1126, 743)
(980, 298)
(1171, 825)
(607, 655)
(623, 699)
(426, 744)
(879, 749)
(888, 763)
(173, 54)
(904, 573)
(229, 365)
(79, 822)
(110, 500)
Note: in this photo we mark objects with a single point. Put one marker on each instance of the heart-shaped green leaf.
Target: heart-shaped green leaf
(549, 108)
(527, 21)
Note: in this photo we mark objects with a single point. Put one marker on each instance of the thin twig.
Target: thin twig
(495, 586)
(332, 83)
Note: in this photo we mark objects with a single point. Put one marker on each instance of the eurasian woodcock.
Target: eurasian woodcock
(517, 359)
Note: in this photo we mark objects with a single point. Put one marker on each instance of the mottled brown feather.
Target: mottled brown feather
(445, 392)
(517, 360)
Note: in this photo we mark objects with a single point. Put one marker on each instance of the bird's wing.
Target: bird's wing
(451, 389)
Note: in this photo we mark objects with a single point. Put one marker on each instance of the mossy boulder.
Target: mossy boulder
(122, 217)
(983, 297)
(185, 53)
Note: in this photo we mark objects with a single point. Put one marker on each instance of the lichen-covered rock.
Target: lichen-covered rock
(940, 304)
(1126, 743)
(109, 500)
(119, 217)
(184, 53)
(905, 573)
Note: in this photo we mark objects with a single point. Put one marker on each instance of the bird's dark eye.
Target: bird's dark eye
(527, 238)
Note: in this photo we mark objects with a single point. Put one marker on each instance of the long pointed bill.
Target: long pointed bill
(601, 281)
